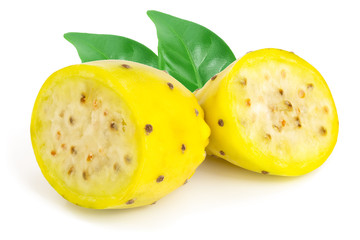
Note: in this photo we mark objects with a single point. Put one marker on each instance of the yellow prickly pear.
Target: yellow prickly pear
(270, 112)
(116, 134)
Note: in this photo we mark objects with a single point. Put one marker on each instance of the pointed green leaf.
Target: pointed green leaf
(188, 51)
(93, 47)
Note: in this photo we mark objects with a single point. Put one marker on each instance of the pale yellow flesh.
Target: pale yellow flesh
(86, 137)
(276, 114)
(287, 113)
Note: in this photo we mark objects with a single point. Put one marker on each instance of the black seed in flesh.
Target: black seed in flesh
(264, 172)
(222, 153)
(326, 109)
(127, 159)
(58, 135)
(89, 157)
(243, 81)
(171, 86)
(278, 128)
(125, 66)
(196, 112)
(183, 148)
(301, 93)
(310, 86)
(267, 136)
(297, 122)
(131, 201)
(113, 126)
(148, 129)
(160, 179)
(288, 104)
(73, 150)
(85, 175)
(83, 98)
(281, 92)
(323, 131)
(213, 77)
(221, 122)
(71, 120)
(71, 170)
(116, 167)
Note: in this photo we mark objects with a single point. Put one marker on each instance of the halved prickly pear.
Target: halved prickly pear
(270, 112)
(116, 134)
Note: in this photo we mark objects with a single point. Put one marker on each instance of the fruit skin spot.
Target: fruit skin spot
(160, 179)
(221, 122)
(196, 112)
(301, 93)
(148, 129)
(131, 201)
(53, 152)
(323, 131)
(248, 102)
(183, 148)
(186, 181)
(264, 172)
(222, 153)
(213, 77)
(171, 86)
(125, 66)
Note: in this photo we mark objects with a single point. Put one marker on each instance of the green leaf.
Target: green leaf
(188, 51)
(93, 47)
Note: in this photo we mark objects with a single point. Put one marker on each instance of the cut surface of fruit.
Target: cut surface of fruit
(116, 134)
(85, 137)
(278, 110)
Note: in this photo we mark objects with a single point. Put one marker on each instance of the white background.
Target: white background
(221, 200)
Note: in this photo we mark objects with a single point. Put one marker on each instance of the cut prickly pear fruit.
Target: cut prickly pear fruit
(270, 112)
(116, 134)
